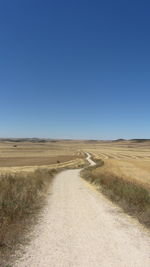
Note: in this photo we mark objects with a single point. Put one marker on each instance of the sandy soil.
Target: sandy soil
(91, 162)
(80, 227)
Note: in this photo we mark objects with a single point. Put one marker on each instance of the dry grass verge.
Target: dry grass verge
(22, 196)
(129, 195)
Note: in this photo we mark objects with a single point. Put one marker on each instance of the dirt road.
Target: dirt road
(80, 227)
(91, 162)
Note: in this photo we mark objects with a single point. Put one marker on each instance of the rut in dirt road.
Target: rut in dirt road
(80, 227)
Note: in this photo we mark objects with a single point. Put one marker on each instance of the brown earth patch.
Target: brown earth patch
(31, 161)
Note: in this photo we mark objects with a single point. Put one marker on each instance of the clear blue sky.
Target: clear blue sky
(75, 69)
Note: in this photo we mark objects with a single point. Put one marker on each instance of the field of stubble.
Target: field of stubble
(128, 159)
(27, 169)
(123, 175)
(28, 156)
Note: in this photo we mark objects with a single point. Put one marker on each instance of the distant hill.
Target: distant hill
(34, 140)
(119, 140)
(91, 141)
(139, 140)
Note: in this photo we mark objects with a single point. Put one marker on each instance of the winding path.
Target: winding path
(80, 227)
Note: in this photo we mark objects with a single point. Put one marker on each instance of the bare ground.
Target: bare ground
(34, 161)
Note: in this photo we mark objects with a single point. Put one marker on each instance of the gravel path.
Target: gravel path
(80, 227)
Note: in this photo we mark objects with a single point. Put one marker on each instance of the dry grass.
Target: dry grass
(20, 196)
(30, 169)
(22, 189)
(132, 196)
(130, 160)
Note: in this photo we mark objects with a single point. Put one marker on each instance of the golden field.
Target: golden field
(27, 169)
(29, 156)
(129, 159)
(123, 175)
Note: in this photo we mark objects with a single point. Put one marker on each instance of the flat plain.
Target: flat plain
(32, 165)
(27, 156)
(128, 159)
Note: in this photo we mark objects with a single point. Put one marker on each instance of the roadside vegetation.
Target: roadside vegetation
(128, 194)
(22, 195)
